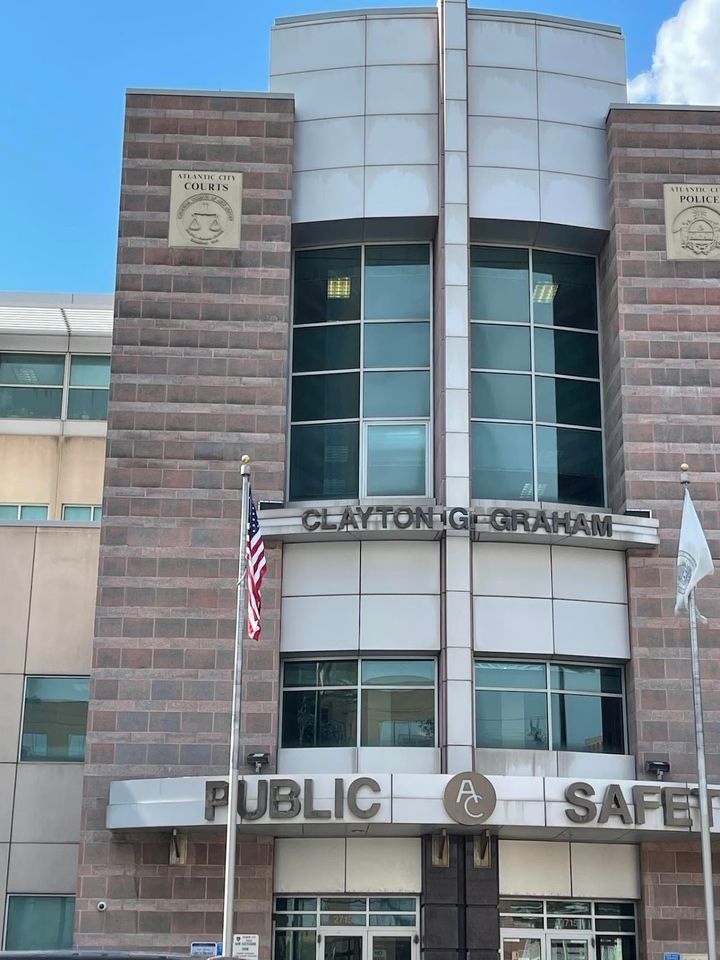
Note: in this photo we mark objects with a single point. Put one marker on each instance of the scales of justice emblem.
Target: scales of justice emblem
(699, 230)
(204, 218)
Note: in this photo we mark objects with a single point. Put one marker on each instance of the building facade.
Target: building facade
(458, 302)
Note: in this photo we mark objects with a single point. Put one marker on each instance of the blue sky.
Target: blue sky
(64, 70)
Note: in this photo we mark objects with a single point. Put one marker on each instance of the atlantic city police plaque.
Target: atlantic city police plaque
(692, 221)
(205, 207)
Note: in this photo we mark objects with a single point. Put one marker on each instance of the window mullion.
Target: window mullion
(533, 410)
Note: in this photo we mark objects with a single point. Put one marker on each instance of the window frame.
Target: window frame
(549, 691)
(8, 896)
(51, 676)
(361, 420)
(358, 687)
(67, 357)
(534, 423)
(20, 507)
(92, 507)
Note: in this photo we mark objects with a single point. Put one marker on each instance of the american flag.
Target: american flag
(256, 567)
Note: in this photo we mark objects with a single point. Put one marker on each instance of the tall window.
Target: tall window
(543, 706)
(55, 719)
(349, 703)
(39, 922)
(35, 386)
(536, 410)
(360, 409)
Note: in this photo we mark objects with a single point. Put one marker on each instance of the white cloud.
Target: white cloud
(686, 62)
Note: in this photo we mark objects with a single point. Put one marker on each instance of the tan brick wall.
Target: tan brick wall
(199, 378)
(662, 402)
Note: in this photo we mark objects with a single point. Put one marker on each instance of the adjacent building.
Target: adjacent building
(458, 302)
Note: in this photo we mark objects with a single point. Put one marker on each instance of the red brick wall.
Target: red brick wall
(199, 378)
(663, 403)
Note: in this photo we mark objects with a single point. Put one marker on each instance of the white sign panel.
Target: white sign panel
(205, 208)
(205, 948)
(246, 946)
(692, 221)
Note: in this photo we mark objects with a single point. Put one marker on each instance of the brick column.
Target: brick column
(661, 342)
(199, 377)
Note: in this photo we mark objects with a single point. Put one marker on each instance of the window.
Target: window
(611, 924)
(540, 706)
(82, 514)
(55, 719)
(89, 388)
(39, 922)
(23, 511)
(360, 408)
(536, 405)
(370, 703)
(33, 385)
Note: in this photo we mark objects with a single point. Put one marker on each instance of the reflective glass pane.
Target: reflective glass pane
(393, 920)
(32, 369)
(566, 949)
(620, 925)
(521, 906)
(295, 944)
(327, 285)
(337, 673)
(502, 461)
(500, 347)
(589, 679)
(397, 345)
(570, 466)
(396, 460)
(615, 948)
(319, 718)
(398, 718)
(295, 903)
(8, 511)
(39, 923)
(40, 403)
(508, 675)
(391, 948)
(511, 721)
(89, 371)
(567, 401)
(344, 903)
(499, 288)
(326, 348)
(563, 352)
(28, 512)
(87, 404)
(587, 724)
(617, 909)
(300, 673)
(393, 903)
(295, 919)
(342, 948)
(81, 514)
(501, 396)
(564, 290)
(533, 923)
(97, 513)
(398, 673)
(569, 907)
(397, 282)
(569, 923)
(330, 396)
(324, 461)
(404, 394)
(55, 719)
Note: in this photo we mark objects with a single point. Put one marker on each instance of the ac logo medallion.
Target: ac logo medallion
(469, 799)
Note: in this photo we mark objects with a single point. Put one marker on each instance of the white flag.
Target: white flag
(694, 560)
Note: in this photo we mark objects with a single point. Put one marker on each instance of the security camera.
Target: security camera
(102, 906)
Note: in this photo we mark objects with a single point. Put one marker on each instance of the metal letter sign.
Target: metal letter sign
(469, 799)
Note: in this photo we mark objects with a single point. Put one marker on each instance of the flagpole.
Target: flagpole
(234, 765)
(702, 774)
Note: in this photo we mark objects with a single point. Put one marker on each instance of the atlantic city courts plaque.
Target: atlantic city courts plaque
(205, 207)
(692, 221)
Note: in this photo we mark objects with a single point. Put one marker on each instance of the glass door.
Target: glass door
(569, 947)
(337, 944)
(520, 946)
(390, 945)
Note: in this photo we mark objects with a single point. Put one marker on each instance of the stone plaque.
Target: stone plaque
(692, 221)
(205, 207)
